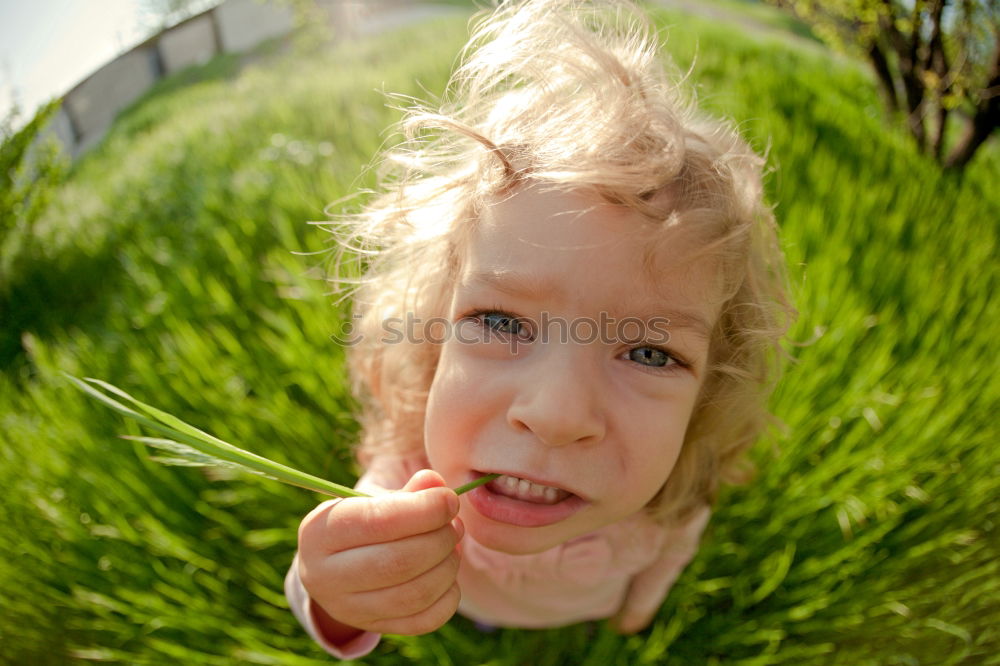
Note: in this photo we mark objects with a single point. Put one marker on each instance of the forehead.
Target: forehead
(568, 246)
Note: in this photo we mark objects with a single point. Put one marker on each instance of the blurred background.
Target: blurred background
(155, 233)
(99, 59)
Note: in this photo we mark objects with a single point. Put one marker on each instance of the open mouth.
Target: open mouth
(523, 502)
(527, 491)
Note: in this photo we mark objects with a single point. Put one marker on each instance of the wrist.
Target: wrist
(333, 631)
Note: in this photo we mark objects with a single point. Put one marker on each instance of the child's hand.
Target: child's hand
(650, 587)
(385, 564)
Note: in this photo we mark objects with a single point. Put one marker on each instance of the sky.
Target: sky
(48, 46)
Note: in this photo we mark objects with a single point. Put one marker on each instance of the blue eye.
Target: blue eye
(501, 322)
(651, 357)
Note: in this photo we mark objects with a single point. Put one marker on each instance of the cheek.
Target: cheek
(458, 406)
(658, 443)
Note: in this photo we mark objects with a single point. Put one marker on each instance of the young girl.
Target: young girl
(572, 282)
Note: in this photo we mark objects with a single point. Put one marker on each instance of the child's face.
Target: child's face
(594, 419)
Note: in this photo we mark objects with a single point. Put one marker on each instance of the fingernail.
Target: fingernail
(453, 503)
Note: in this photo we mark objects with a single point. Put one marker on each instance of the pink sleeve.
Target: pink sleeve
(384, 474)
(301, 605)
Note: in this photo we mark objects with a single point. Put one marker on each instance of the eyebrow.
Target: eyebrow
(515, 283)
(523, 285)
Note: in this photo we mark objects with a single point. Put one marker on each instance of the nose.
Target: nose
(560, 396)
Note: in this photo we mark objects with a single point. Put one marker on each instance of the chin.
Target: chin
(514, 540)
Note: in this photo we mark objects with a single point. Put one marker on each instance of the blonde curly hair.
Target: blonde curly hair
(574, 94)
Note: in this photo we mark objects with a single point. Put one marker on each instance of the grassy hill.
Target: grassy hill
(170, 265)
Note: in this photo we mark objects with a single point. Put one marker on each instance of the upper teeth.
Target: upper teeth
(524, 488)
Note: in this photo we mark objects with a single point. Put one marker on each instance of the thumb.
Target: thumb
(424, 479)
(427, 479)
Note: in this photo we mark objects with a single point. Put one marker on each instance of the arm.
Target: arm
(650, 586)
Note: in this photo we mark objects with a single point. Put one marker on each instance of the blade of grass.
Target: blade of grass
(182, 455)
(213, 446)
(210, 446)
(475, 484)
(194, 447)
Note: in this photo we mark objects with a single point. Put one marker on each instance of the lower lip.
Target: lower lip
(503, 509)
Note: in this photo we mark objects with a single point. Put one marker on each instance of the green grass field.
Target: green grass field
(168, 265)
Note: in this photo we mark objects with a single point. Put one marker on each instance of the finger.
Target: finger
(459, 532)
(357, 521)
(408, 599)
(386, 564)
(424, 479)
(425, 621)
(630, 621)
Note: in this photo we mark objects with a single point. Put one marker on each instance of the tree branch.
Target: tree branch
(883, 71)
(936, 60)
(986, 120)
(905, 47)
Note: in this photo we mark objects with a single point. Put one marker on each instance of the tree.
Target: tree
(937, 62)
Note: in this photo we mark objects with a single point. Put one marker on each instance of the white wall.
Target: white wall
(190, 43)
(240, 25)
(94, 103)
(245, 23)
